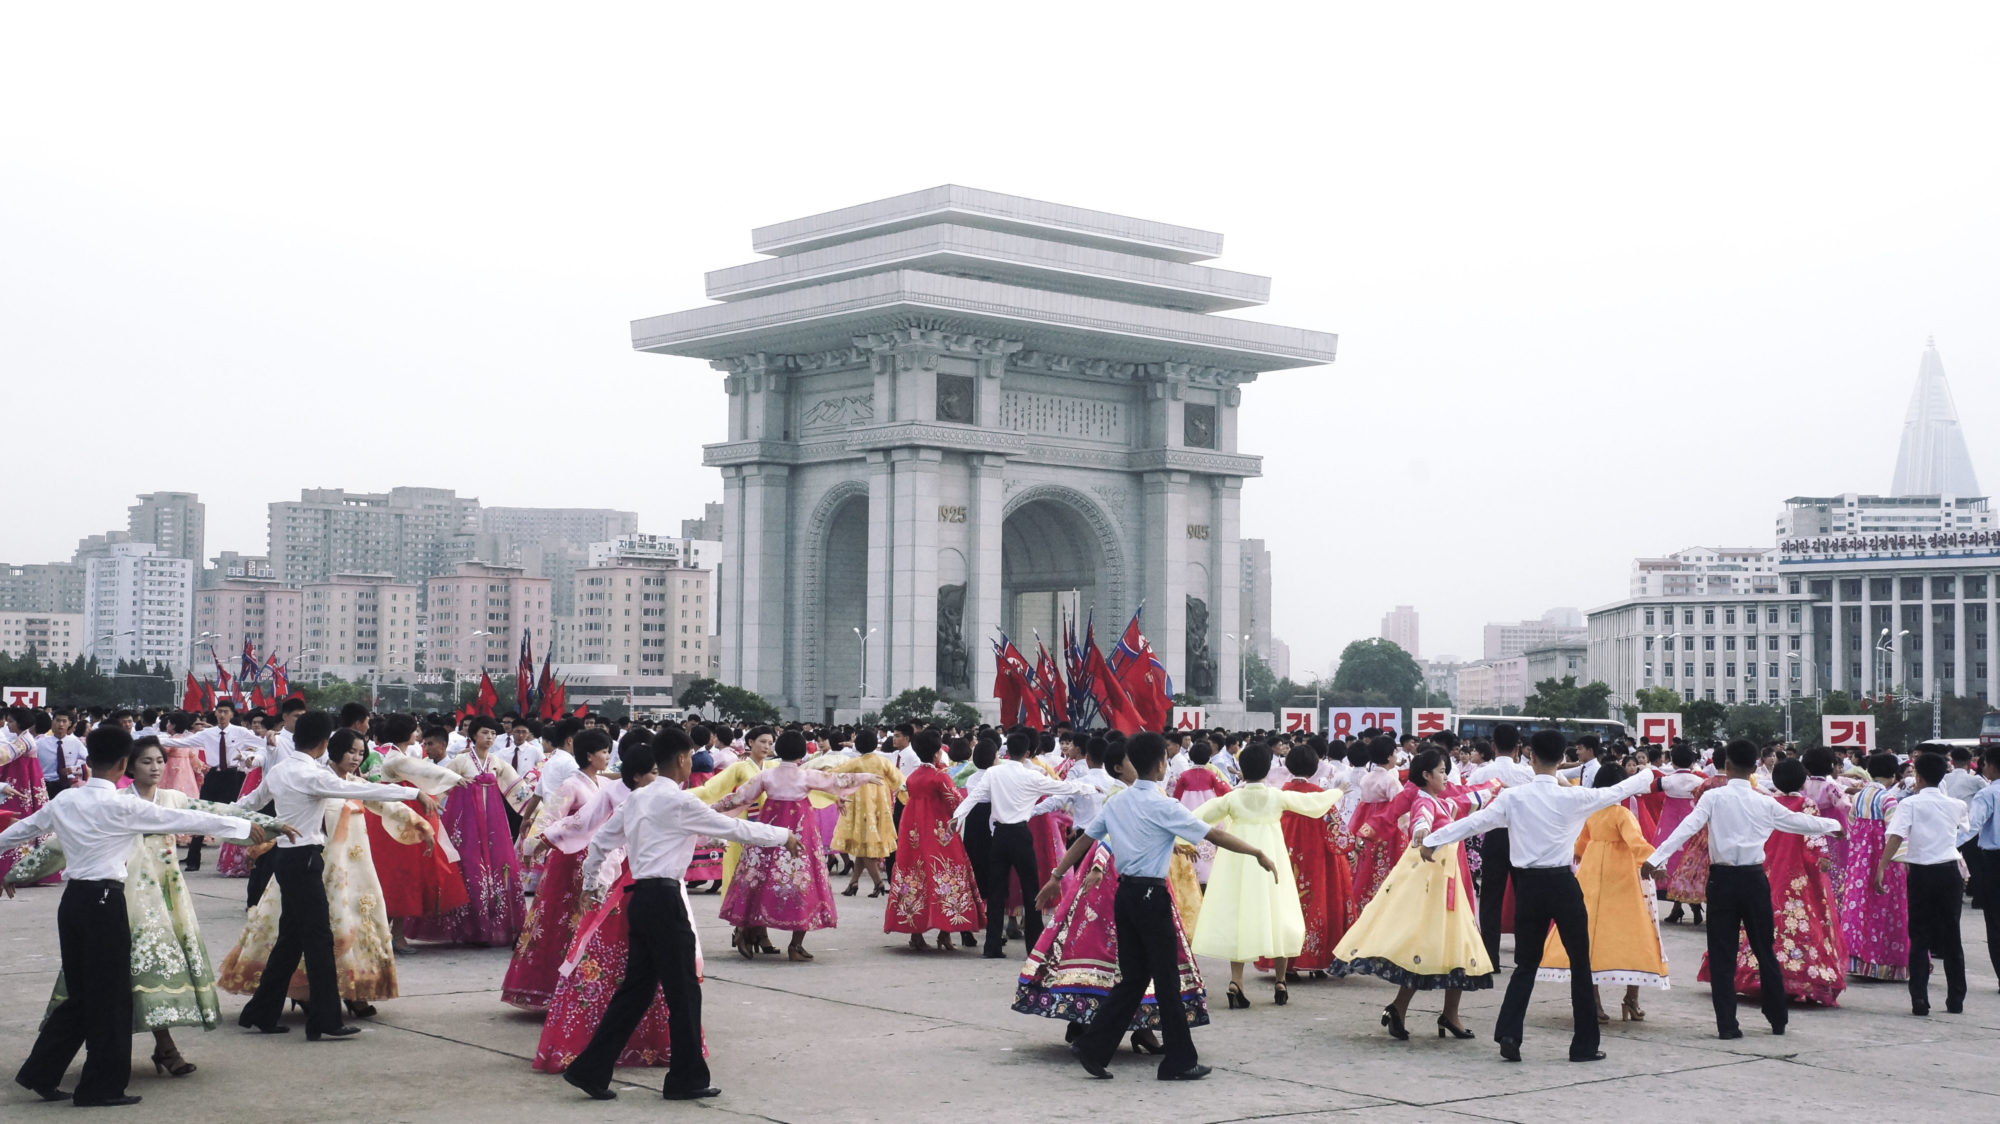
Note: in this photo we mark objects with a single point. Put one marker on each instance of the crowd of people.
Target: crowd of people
(1115, 861)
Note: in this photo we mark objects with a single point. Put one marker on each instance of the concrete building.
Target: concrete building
(1883, 519)
(1932, 459)
(649, 621)
(476, 615)
(99, 546)
(1399, 627)
(1554, 661)
(708, 528)
(42, 587)
(231, 566)
(261, 611)
(1557, 626)
(406, 532)
(173, 521)
(659, 550)
(50, 637)
(1728, 647)
(1441, 676)
(359, 625)
(579, 525)
(1489, 686)
(138, 604)
(1701, 570)
(1254, 611)
(954, 412)
(557, 560)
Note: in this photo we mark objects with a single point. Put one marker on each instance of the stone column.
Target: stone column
(729, 575)
(764, 546)
(1992, 628)
(913, 571)
(881, 517)
(983, 568)
(1962, 645)
(1929, 688)
(1868, 633)
(1165, 588)
(1226, 607)
(1837, 674)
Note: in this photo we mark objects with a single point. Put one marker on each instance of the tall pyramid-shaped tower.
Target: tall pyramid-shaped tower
(1933, 459)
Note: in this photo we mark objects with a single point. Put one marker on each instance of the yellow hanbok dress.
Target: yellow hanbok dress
(1624, 931)
(1245, 913)
(867, 827)
(1421, 929)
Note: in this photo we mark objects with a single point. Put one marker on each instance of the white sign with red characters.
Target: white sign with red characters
(26, 696)
(1659, 729)
(1347, 721)
(1298, 720)
(1425, 721)
(1190, 718)
(1848, 731)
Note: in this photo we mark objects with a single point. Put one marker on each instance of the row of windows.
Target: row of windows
(1729, 614)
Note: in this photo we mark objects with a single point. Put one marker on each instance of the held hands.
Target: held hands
(793, 844)
(1427, 852)
(1649, 871)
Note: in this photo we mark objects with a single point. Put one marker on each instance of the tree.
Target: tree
(1701, 719)
(926, 704)
(1258, 682)
(1759, 722)
(740, 704)
(1562, 698)
(1377, 672)
(335, 692)
(698, 694)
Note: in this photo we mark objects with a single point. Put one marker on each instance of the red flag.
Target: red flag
(191, 697)
(547, 705)
(582, 711)
(207, 695)
(1014, 684)
(488, 697)
(1143, 677)
(1110, 694)
(257, 699)
(524, 675)
(1052, 684)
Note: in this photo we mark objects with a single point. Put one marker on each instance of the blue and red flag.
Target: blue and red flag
(247, 671)
(281, 677)
(1143, 676)
(524, 675)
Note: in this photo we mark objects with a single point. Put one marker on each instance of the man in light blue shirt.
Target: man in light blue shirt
(1984, 859)
(1140, 826)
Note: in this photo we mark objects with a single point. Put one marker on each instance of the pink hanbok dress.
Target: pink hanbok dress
(773, 888)
(1875, 926)
(558, 907)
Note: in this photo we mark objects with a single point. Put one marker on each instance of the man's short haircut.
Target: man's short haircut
(312, 730)
(353, 712)
(1019, 742)
(1548, 746)
(1145, 751)
(107, 745)
(1741, 754)
(1932, 767)
(668, 744)
(1506, 737)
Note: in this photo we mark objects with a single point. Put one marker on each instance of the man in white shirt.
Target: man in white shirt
(224, 748)
(1962, 781)
(1585, 773)
(658, 826)
(1542, 819)
(1012, 787)
(300, 788)
(525, 749)
(1925, 826)
(61, 753)
(1740, 820)
(1495, 863)
(96, 825)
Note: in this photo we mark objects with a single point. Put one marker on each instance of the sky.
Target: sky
(1609, 280)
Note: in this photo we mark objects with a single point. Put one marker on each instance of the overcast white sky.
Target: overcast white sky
(1609, 280)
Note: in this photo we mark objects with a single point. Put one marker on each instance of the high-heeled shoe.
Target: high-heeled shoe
(1628, 1011)
(944, 942)
(881, 890)
(917, 943)
(744, 948)
(1278, 995)
(798, 953)
(359, 1009)
(1697, 915)
(853, 888)
(1602, 1018)
(1393, 1019)
(1146, 1042)
(1237, 1000)
(1445, 1028)
(170, 1062)
(1676, 915)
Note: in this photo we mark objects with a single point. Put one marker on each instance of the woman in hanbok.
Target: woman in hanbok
(591, 973)
(866, 828)
(706, 866)
(1197, 785)
(21, 774)
(1685, 881)
(1827, 797)
(774, 888)
(475, 819)
(1245, 914)
(1074, 963)
(363, 956)
(173, 983)
(932, 886)
(417, 881)
(1326, 884)
(545, 939)
(1875, 927)
(1377, 840)
(184, 766)
(1625, 944)
(1421, 930)
(757, 745)
(231, 860)
(1812, 957)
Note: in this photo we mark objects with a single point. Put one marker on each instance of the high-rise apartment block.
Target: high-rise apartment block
(406, 533)
(1399, 627)
(263, 612)
(1557, 626)
(173, 521)
(477, 614)
(646, 620)
(138, 604)
(580, 525)
(42, 587)
(49, 637)
(359, 625)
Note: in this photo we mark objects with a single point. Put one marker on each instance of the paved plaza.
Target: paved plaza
(872, 1031)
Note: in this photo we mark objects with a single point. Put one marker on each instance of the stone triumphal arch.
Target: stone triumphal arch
(954, 412)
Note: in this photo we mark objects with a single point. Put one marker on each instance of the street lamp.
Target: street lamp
(301, 658)
(864, 662)
(1242, 665)
(109, 636)
(196, 643)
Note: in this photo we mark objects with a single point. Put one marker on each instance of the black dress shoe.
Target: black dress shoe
(1191, 1073)
(46, 1092)
(994, 954)
(1778, 1028)
(1510, 1049)
(569, 1076)
(1732, 1032)
(1596, 1057)
(336, 1032)
(1921, 1012)
(1954, 1006)
(1092, 1068)
(692, 1094)
(274, 1028)
(109, 1102)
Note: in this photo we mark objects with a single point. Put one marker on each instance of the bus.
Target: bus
(1481, 726)
(1989, 728)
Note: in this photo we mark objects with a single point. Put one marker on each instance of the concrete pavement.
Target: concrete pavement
(873, 1031)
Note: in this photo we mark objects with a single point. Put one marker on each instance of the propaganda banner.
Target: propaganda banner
(1347, 721)
(1659, 728)
(1427, 720)
(1190, 718)
(1848, 731)
(1298, 720)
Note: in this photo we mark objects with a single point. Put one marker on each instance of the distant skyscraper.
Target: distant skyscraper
(1933, 460)
(172, 521)
(708, 527)
(138, 605)
(407, 532)
(1399, 627)
(579, 525)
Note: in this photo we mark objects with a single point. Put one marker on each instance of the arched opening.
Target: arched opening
(843, 604)
(1051, 562)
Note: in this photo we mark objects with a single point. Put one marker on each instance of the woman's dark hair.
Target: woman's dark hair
(1302, 762)
(961, 750)
(864, 741)
(1381, 751)
(636, 762)
(1818, 762)
(1423, 763)
(1201, 752)
(591, 741)
(755, 732)
(1882, 765)
(1255, 761)
(1789, 775)
(1684, 757)
(791, 746)
(1608, 774)
(340, 743)
(397, 728)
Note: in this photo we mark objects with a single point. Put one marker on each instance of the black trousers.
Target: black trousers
(96, 944)
(660, 960)
(1148, 954)
(260, 874)
(223, 786)
(1989, 882)
(1740, 896)
(1545, 894)
(303, 932)
(1495, 865)
(1936, 895)
(1011, 855)
(979, 845)
(1975, 870)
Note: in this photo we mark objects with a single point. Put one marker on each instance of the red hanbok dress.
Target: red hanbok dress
(1325, 881)
(20, 768)
(414, 884)
(932, 886)
(1686, 876)
(557, 910)
(1193, 788)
